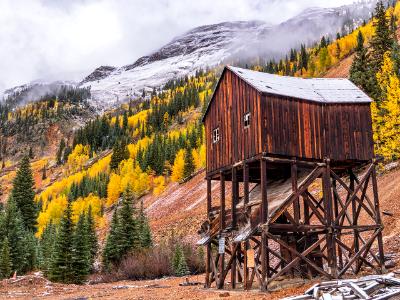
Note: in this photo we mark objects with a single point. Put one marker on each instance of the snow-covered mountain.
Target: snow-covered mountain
(211, 45)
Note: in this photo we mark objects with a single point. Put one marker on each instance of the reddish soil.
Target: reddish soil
(34, 287)
(341, 69)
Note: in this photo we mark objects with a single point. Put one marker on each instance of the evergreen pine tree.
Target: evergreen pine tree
(81, 256)
(60, 151)
(91, 235)
(67, 152)
(129, 237)
(179, 264)
(30, 250)
(23, 194)
(61, 269)
(125, 121)
(120, 152)
(44, 176)
(189, 166)
(360, 72)
(116, 157)
(382, 40)
(111, 252)
(14, 230)
(144, 229)
(30, 153)
(46, 247)
(5, 260)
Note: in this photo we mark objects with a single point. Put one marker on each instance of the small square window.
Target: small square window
(246, 120)
(215, 135)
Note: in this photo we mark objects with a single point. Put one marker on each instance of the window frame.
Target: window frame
(216, 136)
(247, 119)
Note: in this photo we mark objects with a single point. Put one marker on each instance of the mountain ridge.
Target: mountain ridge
(215, 44)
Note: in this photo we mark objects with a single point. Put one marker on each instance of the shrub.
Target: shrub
(156, 262)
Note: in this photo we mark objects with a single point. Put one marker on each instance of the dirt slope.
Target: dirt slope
(181, 208)
(341, 69)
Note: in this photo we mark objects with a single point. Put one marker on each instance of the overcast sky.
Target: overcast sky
(56, 39)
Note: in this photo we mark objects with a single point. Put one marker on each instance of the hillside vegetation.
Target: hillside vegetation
(130, 158)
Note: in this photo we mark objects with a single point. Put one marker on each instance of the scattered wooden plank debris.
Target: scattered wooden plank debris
(387, 213)
(189, 283)
(374, 287)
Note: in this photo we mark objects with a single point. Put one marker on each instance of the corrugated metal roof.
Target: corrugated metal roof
(325, 90)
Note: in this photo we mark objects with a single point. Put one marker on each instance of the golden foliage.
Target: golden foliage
(53, 211)
(81, 205)
(159, 185)
(386, 117)
(113, 189)
(77, 158)
(177, 168)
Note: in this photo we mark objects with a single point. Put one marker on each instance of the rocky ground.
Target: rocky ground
(36, 287)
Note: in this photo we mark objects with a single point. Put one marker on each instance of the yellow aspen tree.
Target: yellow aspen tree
(53, 212)
(78, 157)
(391, 120)
(177, 168)
(202, 156)
(386, 116)
(159, 185)
(387, 70)
(113, 189)
(142, 184)
(81, 205)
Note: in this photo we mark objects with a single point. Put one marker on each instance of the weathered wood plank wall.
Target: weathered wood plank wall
(283, 126)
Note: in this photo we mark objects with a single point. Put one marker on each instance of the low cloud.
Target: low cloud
(45, 39)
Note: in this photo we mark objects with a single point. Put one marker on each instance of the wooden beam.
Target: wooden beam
(301, 256)
(378, 219)
(233, 265)
(222, 203)
(296, 203)
(354, 193)
(209, 197)
(365, 247)
(208, 258)
(327, 191)
(264, 216)
(302, 188)
(245, 268)
(354, 212)
(246, 187)
(235, 197)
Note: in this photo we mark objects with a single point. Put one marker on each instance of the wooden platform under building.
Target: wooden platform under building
(298, 181)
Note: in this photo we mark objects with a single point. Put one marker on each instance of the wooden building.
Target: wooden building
(298, 156)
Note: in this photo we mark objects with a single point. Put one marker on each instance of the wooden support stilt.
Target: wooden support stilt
(235, 197)
(221, 229)
(208, 247)
(331, 246)
(354, 219)
(233, 265)
(336, 213)
(296, 203)
(378, 220)
(208, 261)
(246, 243)
(245, 268)
(222, 203)
(264, 216)
(209, 198)
(315, 235)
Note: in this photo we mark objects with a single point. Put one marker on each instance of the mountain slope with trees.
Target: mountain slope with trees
(132, 168)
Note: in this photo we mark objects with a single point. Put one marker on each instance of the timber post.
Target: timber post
(305, 168)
